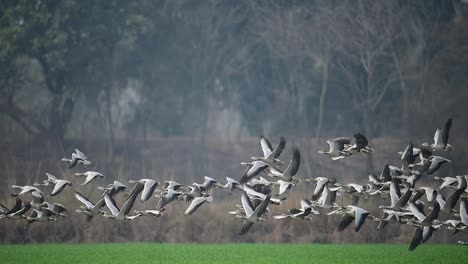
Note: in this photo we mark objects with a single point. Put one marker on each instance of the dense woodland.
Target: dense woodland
(182, 89)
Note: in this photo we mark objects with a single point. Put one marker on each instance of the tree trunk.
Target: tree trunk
(322, 100)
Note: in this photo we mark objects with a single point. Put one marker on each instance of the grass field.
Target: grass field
(132, 253)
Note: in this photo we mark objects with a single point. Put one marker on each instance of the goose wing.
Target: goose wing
(361, 141)
(407, 157)
(437, 138)
(279, 149)
(360, 216)
(394, 193)
(148, 190)
(433, 214)
(137, 189)
(444, 132)
(110, 203)
(16, 207)
(416, 212)
(464, 211)
(51, 178)
(262, 207)
(339, 143)
(385, 176)
(453, 198)
(284, 186)
(3, 209)
(59, 186)
(169, 196)
(293, 166)
(253, 170)
(84, 200)
(246, 225)
(416, 239)
(346, 220)
(247, 204)
(197, 203)
(80, 155)
(267, 148)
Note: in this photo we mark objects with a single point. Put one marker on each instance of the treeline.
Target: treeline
(127, 69)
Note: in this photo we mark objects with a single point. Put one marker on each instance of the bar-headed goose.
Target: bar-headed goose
(88, 208)
(270, 155)
(252, 215)
(230, 185)
(349, 214)
(50, 179)
(197, 203)
(148, 188)
(77, 157)
(398, 201)
(122, 214)
(299, 213)
(360, 145)
(167, 197)
(90, 175)
(59, 186)
(441, 137)
(337, 147)
(25, 189)
(291, 170)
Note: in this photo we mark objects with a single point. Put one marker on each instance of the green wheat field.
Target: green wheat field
(230, 253)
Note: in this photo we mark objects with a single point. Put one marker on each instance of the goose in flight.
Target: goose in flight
(270, 155)
(207, 184)
(398, 201)
(148, 188)
(90, 176)
(291, 170)
(252, 215)
(433, 164)
(56, 209)
(355, 190)
(446, 182)
(441, 137)
(45, 215)
(230, 185)
(420, 219)
(349, 214)
(299, 214)
(431, 194)
(155, 213)
(337, 147)
(113, 189)
(253, 169)
(88, 208)
(167, 197)
(389, 216)
(122, 214)
(59, 186)
(327, 198)
(172, 185)
(284, 188)
(449, 204)
(421, 235)
(25, 189)
(16, 207)
(77, 157)
(50, 179)
(360, 145)
(320, 183)
(196, 203)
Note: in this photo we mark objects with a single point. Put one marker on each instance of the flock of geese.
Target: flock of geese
(267, 182)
